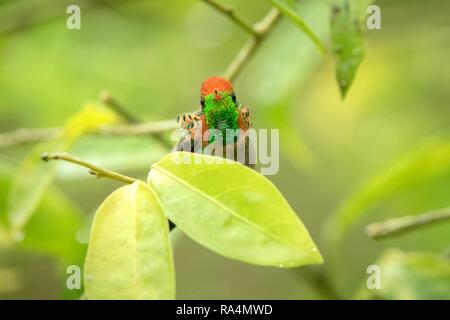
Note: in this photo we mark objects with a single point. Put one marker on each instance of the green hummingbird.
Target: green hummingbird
(219, 115)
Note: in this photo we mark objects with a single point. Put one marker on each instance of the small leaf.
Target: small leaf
(232, 210)
(411, 276)
(31, 182)
(348, 44)
(289, 12)
(129, 253)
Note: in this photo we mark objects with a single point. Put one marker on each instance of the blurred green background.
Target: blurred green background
(153, 55)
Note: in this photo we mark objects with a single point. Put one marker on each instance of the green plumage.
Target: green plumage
(221, 114)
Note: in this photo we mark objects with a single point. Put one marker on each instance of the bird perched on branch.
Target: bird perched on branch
(221, 120)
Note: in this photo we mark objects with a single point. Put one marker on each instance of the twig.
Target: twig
(20, 136)
(140, 128)
(93, 169)
(262, 29)
(23, 135)
(107, 99)
(259, 31)
(235, 17)
(398, 226)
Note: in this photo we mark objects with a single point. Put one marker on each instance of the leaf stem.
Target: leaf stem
(93, 169)
(113, 104)
(393, 227)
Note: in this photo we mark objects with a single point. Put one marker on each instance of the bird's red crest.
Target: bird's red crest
(212, 83)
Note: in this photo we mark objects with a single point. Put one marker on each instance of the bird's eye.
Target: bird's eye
(202, 102)
(233, 96)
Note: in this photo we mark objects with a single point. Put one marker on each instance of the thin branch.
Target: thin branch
(107, 99)
(140, 128)
(113, 104)
(235, 17)
(21, 136)
(402, 225)
(259, 32)
(262, 29)
(93, 169)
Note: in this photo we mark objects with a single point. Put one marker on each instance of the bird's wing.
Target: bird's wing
(244, 118)
(194, 126)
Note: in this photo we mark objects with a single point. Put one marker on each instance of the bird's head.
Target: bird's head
(219, 104)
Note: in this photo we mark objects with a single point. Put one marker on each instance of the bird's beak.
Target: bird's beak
(217, 95)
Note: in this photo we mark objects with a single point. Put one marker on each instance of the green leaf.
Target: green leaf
(30, 184)
(231, 210)
(34, 176)
(430, 161)
(129, 253)
(411, 276)
(348, 44)
(289, 12)
(52, 230)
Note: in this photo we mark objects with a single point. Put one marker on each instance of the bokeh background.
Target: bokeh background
(382, 152)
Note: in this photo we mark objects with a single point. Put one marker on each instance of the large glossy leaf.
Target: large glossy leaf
(412, 276)
(232, 210)
(287, 10)
(129, 253)
(348, 44)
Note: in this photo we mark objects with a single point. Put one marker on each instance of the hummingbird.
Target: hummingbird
(220, 114)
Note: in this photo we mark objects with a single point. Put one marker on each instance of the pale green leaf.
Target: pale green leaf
(129, 253)
(411, 276)
(53, 229)
(348, 44)
(231, 210)
(34, 176)
(289, 12)
(30, 183)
